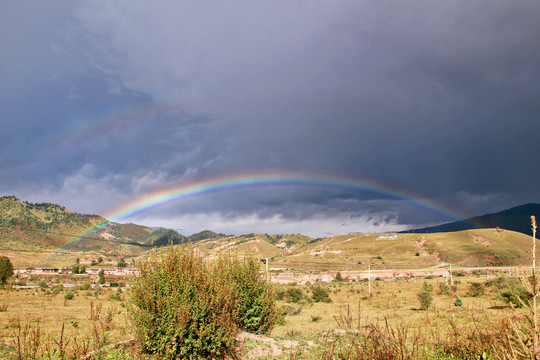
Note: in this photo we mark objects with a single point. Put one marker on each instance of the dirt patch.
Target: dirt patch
(421, 241)
(482, 241)
(258, 346)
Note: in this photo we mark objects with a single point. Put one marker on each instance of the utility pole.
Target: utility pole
(369, 279)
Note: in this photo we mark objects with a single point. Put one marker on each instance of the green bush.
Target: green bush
(68, 295)
(476, 289)
(290, 294)
(444, 289)
(183, 307)
(458, 302)
(425, 297)
(516, 295)
(255, 311)
(320, 294)
(6, 269)
(101, 276)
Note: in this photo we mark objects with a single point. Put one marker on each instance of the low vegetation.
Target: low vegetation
(185, 307)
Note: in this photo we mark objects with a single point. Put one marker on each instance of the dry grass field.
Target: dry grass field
(45, 322)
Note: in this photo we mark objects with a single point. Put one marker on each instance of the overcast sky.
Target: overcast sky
(103, 102)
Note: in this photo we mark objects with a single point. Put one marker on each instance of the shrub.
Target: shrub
(476, 289)
(255, 311)
(291, 294)
(6, 269)
(56, 290)
(510, 290)
(339, 277)
(516, 296)
(291, 309)
(101, 276)
(179, 309)
(425, 296)
(182, 307)
(122, 263)
(320, 294)
(458, 302)
(444, 289)
(117, 295)
(68, 295)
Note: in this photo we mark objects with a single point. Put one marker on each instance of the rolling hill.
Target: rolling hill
(44, 229)
(468, 248)
(50, 235)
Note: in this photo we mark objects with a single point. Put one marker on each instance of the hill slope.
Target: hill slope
(515, 219)
(468, 248)
(50, 234)
(49, 227)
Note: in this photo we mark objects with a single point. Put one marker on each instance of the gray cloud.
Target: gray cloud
(437, 98)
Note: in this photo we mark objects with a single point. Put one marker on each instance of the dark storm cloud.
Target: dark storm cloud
(440, 98)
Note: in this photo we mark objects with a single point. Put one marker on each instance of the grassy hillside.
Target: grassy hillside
(49, 234)
(469, 248)
(480, 247)
(28, 226)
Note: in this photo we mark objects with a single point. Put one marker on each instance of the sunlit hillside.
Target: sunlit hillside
(481, 247)
(51, 235)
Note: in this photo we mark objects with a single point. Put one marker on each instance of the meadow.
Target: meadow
(53, 322)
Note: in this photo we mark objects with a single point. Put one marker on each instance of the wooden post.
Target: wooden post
(534, 286)
(369, 279)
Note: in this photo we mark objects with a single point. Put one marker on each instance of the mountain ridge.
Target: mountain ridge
(516, 219)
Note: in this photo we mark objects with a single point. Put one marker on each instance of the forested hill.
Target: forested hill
(45, 226)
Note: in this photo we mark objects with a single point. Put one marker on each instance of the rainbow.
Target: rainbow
(172, 194)
(169, 195)
(109, 121)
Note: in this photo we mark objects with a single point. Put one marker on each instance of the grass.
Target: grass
(99, 321)
(354, 325)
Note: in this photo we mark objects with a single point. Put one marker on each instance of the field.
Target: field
(410, 308)
(45, 320)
